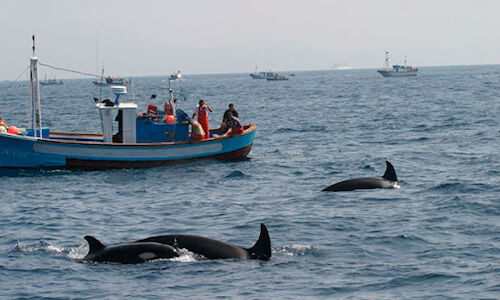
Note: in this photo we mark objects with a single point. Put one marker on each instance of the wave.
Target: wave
(236, 174)
(398, 240)
(460, 187)
(42, 246)
(296, 250)
(313, 128)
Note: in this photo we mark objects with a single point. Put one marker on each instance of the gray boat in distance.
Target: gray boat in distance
(397, 70)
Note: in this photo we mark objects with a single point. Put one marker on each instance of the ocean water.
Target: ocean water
(438, 236)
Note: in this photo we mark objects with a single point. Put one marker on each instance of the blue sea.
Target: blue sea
(437, 237)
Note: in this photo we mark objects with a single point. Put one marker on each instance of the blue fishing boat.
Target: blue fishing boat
(142, 140)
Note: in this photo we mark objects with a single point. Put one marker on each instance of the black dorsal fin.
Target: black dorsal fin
(390, 173)
(94, 244)
(262, 248)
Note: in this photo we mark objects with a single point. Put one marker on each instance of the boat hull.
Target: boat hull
(27, 152)
(396, 74)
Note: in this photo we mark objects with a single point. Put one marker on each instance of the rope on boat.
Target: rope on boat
(15, 80)
(69, 70)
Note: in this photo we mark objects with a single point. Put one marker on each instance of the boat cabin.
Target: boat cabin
(134, 127)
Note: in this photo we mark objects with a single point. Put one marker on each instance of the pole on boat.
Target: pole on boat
(386, 59)
(36, 116)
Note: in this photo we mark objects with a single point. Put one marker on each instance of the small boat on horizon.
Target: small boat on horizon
(176, 76)
(53, 81)
(342, 67)
(276, 77)
(397, 70)
(107, 81)
(258, 75)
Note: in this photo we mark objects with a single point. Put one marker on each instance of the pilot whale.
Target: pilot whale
(387, 181)
(213, 249)
(127, 253)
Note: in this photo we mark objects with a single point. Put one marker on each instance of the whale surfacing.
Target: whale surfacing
(387, 181)
(213, 249)
(127, 253)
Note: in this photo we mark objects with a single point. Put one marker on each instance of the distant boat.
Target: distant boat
(51, 81)
(270, 76)
(111, 81)
(176, 76)
(342, 67)
(258, 75)
(397, 70)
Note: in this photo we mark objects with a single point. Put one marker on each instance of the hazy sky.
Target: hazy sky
(144, 37)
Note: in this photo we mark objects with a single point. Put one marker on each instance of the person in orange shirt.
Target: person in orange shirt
(202, 110)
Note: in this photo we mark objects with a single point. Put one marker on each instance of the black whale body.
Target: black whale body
(387, 181)
(213, 249)
(127, 253)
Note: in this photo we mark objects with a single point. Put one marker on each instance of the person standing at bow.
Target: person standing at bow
(202, 110)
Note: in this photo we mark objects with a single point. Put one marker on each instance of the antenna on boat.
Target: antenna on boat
(36, 115)
(170, 90)
(132, 88)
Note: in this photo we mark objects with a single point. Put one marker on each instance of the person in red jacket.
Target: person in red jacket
(202, 110)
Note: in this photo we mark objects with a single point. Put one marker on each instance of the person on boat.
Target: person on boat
(236, 126)
(3, 125)
(197, 132)
(202, 110)
(169, 109)
(225, 119)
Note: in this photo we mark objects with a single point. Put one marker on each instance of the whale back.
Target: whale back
(390, 173)
(213, 249)
(384, 182)
(127, 253)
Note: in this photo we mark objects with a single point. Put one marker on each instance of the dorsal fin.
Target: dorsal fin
(390, 173)
(94, 244)
(262, 248)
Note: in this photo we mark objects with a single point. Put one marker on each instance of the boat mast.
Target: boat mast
(386, 59)
(36, 116)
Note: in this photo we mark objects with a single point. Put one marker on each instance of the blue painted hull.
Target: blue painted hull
(18, 151)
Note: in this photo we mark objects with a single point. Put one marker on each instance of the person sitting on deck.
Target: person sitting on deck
(197, 132)
(225, 119)
(3, 125)
(236, 126)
